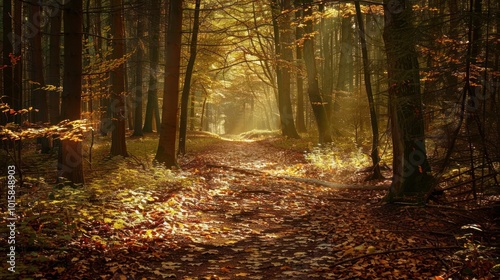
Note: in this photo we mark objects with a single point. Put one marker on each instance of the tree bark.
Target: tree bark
(7, 51)
(138, 77)
(17, 85)
(54, 69)
(411, 170)
(152, 109)
(70, 164)
(38, 94)
(118, 106)
(173, 39)
(313, 90)
(187, 79)
(299, 33)
(376, 174)
(284, 56)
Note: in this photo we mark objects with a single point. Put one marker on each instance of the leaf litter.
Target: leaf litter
(225, 223)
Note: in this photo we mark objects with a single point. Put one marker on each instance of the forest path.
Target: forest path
(256, 226)
(231, 215)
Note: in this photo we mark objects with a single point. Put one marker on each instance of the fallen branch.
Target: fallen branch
(333, 185)
(299, 179)
(392, 252)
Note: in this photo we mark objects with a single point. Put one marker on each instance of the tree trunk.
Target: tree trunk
(7, 51)
(284, 56)
(70, 164)
(187, 80)
(54, 69)
(327, 52)
(299, 33)
(173, 39)
(411, 170)
(152, 109)
(138, 77)
(313, 90)
(118, 106)
(17, 85)
(376, 174)
(346, 72)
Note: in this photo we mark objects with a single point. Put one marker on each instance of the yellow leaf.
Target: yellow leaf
(120, 224)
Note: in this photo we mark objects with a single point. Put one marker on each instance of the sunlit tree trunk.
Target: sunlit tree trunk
(186, 91)
(376, 174)
(70, 164)
(152, 109)
(346, 73)
(411, 170)
(327, 53)
(284, 55)
(299, 33)
(313, 89)
(118, 107)
(168, 131)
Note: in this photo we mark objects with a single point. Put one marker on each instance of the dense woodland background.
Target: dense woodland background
(406, 90)
(422, 79)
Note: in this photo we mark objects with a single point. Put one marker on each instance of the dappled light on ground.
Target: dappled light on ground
(229, 213)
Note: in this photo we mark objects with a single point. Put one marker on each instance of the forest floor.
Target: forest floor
(236, 213)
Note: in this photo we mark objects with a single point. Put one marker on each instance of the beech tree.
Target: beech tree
(54, 67)
(118, 108)
(137, 88)
(283, 40)
(70, 163)
(168, 131)
(411, 169)
(152, 109)
(7, 51)
(186, 91)
(313, 89)
(376, 174)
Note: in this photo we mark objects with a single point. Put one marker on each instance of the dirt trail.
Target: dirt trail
(235, 222)
(262, 227)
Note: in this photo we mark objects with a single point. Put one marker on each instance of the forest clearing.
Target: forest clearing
(277, 139)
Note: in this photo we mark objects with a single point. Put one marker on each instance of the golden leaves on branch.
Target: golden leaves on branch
(65, 130)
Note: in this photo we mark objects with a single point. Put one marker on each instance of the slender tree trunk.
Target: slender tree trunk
(411, 170)
(284, 56)
(70, 164)
(138, 77)
(346, 73)
(152, 109)
(168, 133)
(118, 106)
(299, 33)
(38, 94)
(7, 51)
(327, 51)
(192, 111)
(54, 69)
(17, 85)
(313, 90)
(376, 174)
(187, 80)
